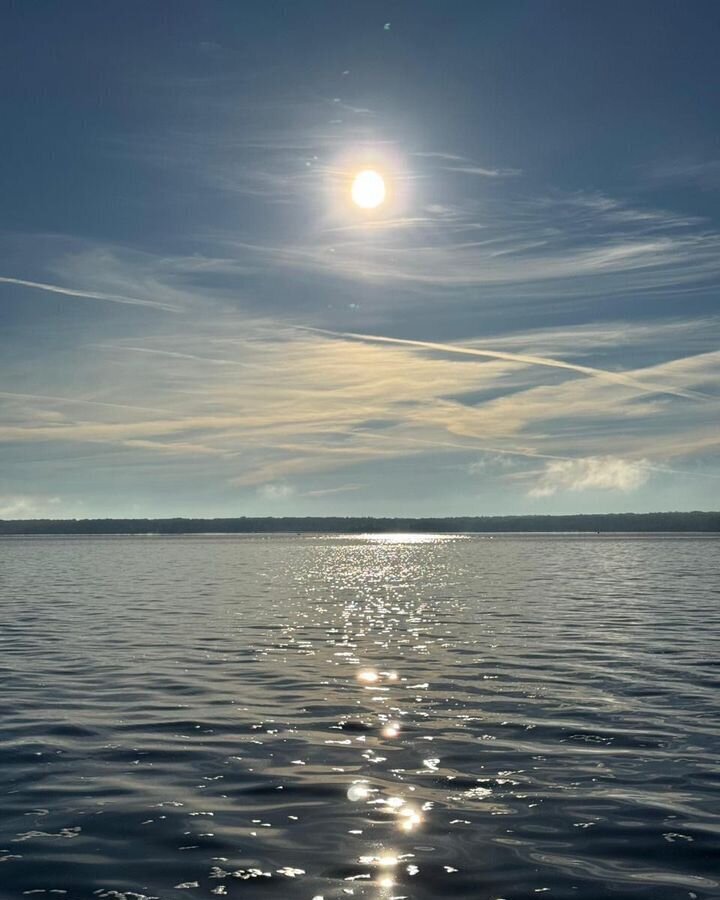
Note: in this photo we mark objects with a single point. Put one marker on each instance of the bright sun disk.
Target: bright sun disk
(368, 189)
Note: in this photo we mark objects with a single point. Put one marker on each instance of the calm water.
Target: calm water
(306, 717)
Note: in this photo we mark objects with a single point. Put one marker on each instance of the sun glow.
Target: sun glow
(368, 189)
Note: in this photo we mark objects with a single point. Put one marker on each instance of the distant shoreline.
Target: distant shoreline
(660, 522)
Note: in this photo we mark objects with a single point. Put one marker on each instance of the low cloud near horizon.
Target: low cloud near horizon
(606, 473)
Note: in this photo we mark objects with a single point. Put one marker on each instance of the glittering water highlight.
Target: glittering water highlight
(380, 717)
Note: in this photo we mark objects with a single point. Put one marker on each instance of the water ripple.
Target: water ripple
(321, 717)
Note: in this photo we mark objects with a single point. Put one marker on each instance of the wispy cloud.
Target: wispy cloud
(536, 243)
(453, 162)
(703, 173)
(542, 257)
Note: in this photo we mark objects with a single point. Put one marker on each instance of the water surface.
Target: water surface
(378, 717)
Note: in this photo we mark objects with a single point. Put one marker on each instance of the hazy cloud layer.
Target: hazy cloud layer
(272, 407)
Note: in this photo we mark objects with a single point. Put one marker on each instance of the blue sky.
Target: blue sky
(196, 320)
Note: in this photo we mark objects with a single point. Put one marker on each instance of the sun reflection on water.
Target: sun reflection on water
(359, 791)
(410, 538)
(368, 676)
(390, 730)
(376, 634)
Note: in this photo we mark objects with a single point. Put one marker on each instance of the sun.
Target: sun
(368, 189)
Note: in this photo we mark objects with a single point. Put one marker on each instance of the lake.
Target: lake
(419, 716)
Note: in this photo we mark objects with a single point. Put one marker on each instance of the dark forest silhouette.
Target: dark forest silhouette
(610, 522)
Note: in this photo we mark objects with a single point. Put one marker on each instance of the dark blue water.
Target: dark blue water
(302, 717)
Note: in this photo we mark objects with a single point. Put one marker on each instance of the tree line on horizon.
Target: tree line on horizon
(695, 521)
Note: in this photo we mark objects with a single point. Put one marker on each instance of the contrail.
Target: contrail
(528, 359)
(12, 395)
(87, 295)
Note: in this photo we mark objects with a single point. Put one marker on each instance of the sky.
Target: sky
(196, 319)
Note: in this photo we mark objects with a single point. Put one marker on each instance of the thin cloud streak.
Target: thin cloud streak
(87, 295)
(72, 401)
(340, 489)
(526, 359)
(484, 173)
